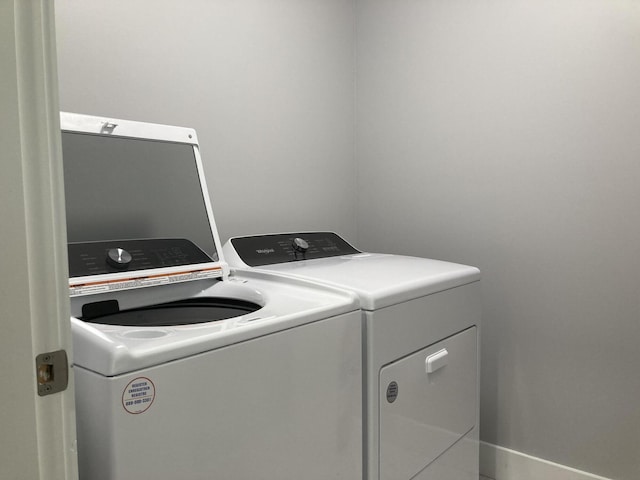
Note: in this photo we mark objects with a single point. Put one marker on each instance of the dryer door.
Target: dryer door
(428, 401)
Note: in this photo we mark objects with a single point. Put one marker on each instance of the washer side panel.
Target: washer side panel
(284, 406)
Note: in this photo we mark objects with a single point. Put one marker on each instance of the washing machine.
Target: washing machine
(420, 324)
(183, 368)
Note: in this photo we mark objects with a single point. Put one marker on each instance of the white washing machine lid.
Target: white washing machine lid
(379, 280)
(137, 206)
(111, 350)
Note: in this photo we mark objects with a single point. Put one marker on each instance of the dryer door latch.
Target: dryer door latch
(52, 372)
(437, 360)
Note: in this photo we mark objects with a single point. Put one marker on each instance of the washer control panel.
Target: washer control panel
(290, 247)
(96, 258)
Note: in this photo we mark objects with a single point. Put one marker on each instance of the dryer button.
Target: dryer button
(300, 245)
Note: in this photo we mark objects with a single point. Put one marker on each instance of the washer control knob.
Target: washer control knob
(118, 258)
(300, 245)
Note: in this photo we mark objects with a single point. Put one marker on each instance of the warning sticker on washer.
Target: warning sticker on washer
(138, 395)
(105, 286)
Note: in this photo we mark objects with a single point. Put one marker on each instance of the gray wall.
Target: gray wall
(503, 134)
(506, 134)
(268, 85)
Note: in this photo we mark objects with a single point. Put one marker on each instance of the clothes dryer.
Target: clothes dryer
(421, 322)
(183, 369)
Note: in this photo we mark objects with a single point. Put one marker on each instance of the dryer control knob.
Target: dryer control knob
(118, 258)
(300, 245)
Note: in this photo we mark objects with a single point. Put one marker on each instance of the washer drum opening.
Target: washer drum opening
(182, 312)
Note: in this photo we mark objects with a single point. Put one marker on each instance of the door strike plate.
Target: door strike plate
(52, 372)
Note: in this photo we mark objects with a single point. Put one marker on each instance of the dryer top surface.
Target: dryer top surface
(379, 280)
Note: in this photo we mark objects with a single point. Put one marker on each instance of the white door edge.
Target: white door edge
(38, 432)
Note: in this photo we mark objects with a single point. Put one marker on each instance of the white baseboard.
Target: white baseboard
(501, 463)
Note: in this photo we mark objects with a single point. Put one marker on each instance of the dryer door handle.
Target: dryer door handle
(437, 360)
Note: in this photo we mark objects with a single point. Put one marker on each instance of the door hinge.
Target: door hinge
(52, 372)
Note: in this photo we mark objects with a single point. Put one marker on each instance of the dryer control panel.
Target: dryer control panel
(290, 247)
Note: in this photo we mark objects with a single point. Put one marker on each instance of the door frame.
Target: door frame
(38, 439)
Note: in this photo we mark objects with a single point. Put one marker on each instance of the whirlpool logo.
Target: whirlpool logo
(266, 251)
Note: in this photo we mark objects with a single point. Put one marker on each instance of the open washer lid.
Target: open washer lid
(137, 205)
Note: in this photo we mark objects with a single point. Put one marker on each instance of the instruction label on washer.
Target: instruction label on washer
(150, 281)
(138, 395)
